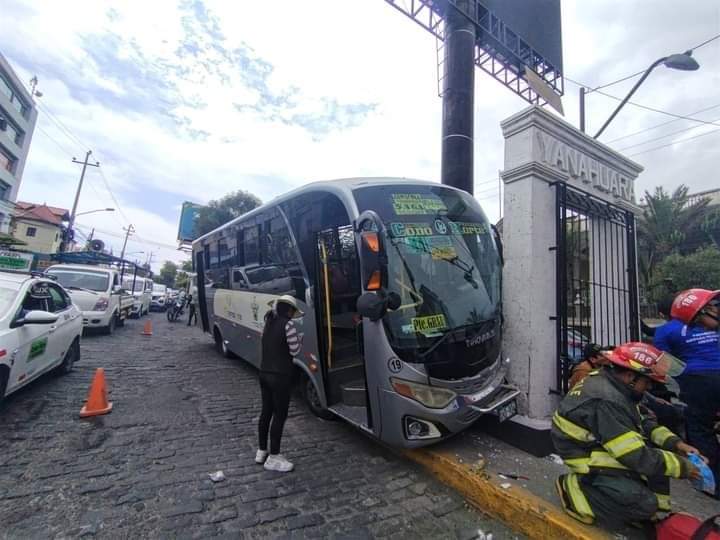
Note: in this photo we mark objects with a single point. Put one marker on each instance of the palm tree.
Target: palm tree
(665, 224)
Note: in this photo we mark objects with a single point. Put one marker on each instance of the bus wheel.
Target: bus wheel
(313, 400)
(220, 344)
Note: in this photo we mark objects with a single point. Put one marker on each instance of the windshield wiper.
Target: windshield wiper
(76, 288)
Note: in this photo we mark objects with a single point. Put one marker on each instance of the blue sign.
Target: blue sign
(188, 216)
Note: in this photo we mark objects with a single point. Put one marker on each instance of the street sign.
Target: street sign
(15, 261)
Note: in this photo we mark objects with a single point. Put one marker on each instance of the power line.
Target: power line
(661, 124)
(676, 142)
(660, 137)
(137, 239)
(589, 90)
(678, 116)
(75, 139)
(60, 146)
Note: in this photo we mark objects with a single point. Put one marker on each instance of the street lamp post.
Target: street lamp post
(682, 61)
(93, 211)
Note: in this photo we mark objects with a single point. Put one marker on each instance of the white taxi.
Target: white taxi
(40, 329)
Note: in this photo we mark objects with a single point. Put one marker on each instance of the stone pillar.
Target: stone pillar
(541, 149)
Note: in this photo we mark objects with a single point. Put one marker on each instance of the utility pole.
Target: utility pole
(71, 223)
(458, 95)
(130, 230)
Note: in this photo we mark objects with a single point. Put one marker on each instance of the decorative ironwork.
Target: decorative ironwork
(596, 276)
(499, 51)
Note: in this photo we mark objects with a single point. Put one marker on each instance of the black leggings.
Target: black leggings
(275, 389)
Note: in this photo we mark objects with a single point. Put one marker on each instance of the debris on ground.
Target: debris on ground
(217, 476)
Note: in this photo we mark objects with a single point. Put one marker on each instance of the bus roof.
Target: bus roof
(340, 186)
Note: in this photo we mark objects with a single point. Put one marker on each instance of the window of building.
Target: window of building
(15, 100)
(7, 162)
(4, 191)
(31, 231)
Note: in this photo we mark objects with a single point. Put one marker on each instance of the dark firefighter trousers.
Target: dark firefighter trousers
(614, 500)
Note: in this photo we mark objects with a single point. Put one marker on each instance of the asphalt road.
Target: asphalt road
(180, 413)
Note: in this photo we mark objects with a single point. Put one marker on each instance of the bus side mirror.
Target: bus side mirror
(373, 262)
(374, 306)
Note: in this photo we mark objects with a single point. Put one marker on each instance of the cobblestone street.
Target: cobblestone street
(181, 411)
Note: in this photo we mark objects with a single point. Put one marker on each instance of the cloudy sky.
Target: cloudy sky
(190, 99)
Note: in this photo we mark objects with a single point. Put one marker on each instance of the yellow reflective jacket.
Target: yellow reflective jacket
(598, 427)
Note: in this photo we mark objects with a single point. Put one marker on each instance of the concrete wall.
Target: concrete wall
(46, 239)
(541, 149)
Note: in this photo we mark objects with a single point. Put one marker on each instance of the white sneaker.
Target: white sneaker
(278, 463)
(261, 456)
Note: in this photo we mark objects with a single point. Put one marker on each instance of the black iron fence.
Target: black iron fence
(597, 294)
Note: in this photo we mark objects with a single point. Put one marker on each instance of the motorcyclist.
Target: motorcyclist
(620, 460)
(692, 335)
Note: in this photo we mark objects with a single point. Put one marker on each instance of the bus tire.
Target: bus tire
(313, 400)
(220, 344)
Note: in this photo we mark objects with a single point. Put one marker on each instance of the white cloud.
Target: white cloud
(115, 78)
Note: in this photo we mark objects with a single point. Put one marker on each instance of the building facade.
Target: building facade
(39, 226)
(17, 123)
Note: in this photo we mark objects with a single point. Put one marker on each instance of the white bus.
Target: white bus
(400, 284)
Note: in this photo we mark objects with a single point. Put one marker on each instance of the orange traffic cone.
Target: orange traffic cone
(147, 331)
(97, 402)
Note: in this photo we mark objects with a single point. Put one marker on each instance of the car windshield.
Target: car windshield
(7, 297)
(442, 261)
(82, 279)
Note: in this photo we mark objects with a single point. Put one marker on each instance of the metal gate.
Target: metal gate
(597, 295)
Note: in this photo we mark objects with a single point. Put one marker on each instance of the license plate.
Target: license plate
(508, 410)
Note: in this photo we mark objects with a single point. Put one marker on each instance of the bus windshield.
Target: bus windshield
(442, 261)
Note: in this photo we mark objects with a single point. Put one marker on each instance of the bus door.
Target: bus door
(339, 325)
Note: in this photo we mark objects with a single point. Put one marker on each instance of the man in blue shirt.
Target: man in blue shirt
(692, 335)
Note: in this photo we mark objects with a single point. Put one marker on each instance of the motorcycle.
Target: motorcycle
(175, 310)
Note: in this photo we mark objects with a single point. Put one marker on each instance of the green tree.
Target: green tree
(186, 266)
(664, 226)
(220, 211)
(699, 269)
(168, 273)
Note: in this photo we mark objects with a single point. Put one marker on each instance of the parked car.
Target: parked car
(159, 300)
(40, 329)
(97, 292)
(141, 290)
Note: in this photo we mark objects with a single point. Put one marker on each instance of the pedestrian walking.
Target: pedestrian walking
(692, 335)
(192, 306)
(621, 461)
(281, 341)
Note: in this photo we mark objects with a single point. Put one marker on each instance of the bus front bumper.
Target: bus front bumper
(409, 424)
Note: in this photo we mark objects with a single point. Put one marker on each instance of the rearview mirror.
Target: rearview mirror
(36, 317)
(117, 289)
(374, 306)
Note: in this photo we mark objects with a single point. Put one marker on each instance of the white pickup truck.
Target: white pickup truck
(96, 290)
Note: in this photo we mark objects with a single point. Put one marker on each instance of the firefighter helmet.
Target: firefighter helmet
(644, 359)
(688, 304)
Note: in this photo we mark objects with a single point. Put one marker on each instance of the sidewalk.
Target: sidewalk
(473, 461)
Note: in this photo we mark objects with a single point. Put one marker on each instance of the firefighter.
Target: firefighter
(692, 335)
(621, 462)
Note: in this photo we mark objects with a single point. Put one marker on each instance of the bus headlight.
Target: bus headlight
(430, 396)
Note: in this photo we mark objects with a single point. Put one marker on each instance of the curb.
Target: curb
(516, 507)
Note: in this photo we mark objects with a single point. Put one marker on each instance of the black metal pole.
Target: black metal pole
(458, 94)
(632, 91)
(582, 109)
